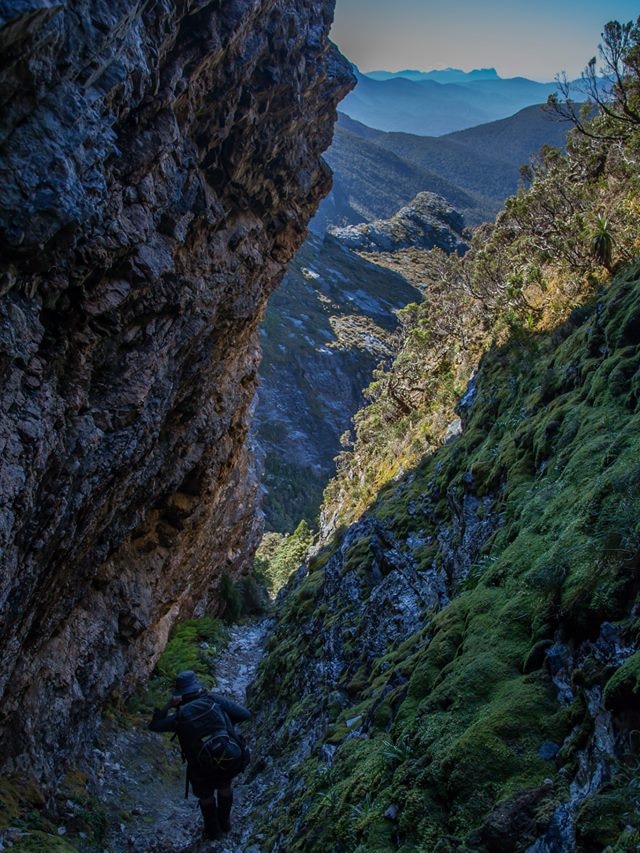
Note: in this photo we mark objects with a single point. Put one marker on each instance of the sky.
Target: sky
(530, 39)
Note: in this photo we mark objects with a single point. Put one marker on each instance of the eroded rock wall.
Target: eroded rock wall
(159, 163)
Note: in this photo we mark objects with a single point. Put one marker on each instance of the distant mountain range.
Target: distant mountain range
(475, 170)
(446, 75)
(434, 103)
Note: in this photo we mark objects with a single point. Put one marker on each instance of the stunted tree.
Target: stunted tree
(612, 88)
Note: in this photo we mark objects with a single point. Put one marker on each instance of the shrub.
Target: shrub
(279, 556)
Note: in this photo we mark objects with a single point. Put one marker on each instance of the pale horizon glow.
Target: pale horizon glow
(517, 38)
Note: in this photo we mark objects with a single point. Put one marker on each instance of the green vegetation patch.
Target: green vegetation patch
(623, 688)
(71, 820)
(280, 556)
(43, 842)
(193, 644)
(457, 715)
(609, 820)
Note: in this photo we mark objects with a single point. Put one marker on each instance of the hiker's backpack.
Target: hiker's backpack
(208, 738)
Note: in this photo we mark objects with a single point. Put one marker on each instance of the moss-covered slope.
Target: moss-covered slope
(458, 671)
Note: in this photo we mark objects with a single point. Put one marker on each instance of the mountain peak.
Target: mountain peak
(428, 221)
(485, 73)
(438, 75)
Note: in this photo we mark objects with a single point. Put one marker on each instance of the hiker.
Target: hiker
(213, 750)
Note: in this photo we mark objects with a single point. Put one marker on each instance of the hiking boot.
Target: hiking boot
(225, 801)
(210, 816)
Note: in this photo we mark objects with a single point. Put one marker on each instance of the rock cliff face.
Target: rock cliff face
(159, 163)
(428, 222)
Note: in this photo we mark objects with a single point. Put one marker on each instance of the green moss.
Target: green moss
(193, 644)
(320, 560)
(184, 650)
(553, 444)
(44, 842)
(608, 820)
(24, 807)
(358, 556)
(623, 688)
(310, 587)
(383, 716)
(535, 657)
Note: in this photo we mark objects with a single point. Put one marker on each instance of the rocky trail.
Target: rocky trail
(141, 781)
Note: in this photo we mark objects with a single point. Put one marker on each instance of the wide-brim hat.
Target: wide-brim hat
(187, 682)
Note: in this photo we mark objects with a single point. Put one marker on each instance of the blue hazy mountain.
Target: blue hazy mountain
(445, 75)
(440, 102)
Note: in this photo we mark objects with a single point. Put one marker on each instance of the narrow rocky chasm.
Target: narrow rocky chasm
(140, 778)
(159, 163)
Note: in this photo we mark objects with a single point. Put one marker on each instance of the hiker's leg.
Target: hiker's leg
(225, 801)
(210, 816)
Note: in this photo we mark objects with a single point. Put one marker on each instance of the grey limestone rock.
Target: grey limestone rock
(158, 165)
(427, 222)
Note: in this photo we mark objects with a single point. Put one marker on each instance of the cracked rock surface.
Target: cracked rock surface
(158, 165)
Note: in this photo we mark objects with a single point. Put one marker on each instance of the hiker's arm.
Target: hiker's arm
(235, 712)
(162, 720)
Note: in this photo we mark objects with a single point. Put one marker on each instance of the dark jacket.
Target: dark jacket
(163, 721)
(203, 781)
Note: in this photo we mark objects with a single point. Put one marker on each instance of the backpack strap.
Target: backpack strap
(204, 713)
(237, 738)
(230, 727)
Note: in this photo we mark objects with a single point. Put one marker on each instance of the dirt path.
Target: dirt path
(141, 781)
